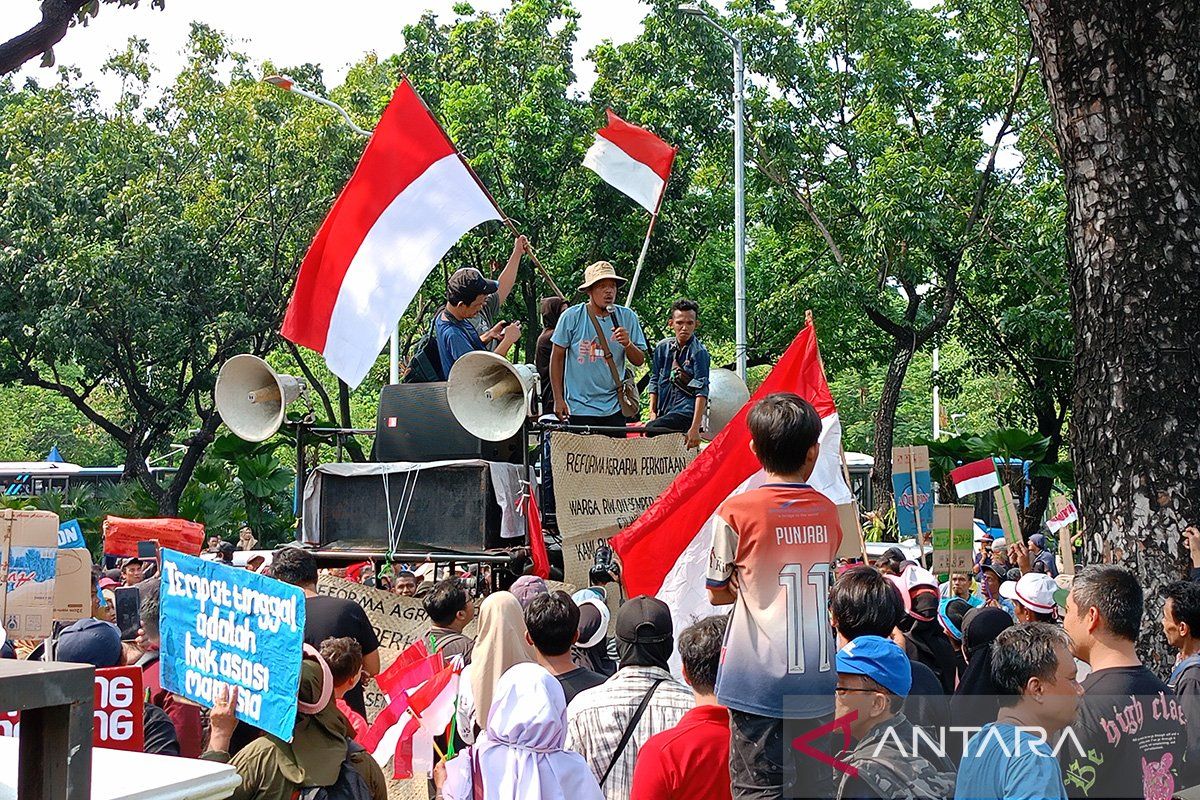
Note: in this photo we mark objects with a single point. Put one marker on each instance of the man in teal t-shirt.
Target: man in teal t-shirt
(1014, 757)
(585, 392)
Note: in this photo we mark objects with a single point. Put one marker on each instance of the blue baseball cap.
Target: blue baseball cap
(879, 659)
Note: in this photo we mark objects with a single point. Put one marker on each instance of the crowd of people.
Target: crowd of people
(826, 679)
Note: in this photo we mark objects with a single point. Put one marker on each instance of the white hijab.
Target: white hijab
(521, 756)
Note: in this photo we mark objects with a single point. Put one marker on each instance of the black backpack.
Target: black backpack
(426, 364)
(350, 785)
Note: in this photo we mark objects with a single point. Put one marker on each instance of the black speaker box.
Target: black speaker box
(451, 508)
(415, 424)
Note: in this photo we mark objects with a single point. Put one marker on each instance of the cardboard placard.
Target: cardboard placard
(221, 625)
(121, 536)
(913, 490)
(604, 484)
(73, 585)
(953, 539)
(1064, 515)
(1006, 510)
(853, 544)
(118, 718)
(28, 561)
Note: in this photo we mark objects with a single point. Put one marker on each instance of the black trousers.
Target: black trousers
(675, 421)
(763, 765)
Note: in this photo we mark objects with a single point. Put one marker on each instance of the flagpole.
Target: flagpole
(637, 272)
(912, 477)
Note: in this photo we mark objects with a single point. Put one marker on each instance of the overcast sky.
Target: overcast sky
(332, 34)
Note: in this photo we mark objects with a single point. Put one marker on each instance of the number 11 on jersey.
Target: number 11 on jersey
(791, 579)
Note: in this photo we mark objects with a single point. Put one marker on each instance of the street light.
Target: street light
(287, 84)
(739, 182)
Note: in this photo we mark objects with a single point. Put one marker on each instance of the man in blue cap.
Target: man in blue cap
(874, 678)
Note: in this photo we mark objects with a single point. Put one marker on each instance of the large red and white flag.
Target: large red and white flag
(631, 159)
(978, 476)
(410, 199)
(665, 552)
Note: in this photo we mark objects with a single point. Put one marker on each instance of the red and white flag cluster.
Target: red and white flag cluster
(422, 691)
(411, 198)
(631, 159)
(978, 476)
(665, 552)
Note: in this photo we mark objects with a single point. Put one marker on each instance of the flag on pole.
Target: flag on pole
(410, 199)
(631, 159)
(426, 707)
(665, 552)
(978, 476)
(1064, 514)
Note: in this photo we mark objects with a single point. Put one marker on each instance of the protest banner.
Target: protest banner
(602, 484)
(913, 490)
(71, 535)
(398, 621)
(953, 539)
(226, 626)
(121, 536)
(118, 716)
(1006, 510)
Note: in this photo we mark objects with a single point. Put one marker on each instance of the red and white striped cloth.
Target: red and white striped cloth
(631, 159)
(411, 198)
(978, 476)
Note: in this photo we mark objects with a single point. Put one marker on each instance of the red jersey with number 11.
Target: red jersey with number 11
(780, 539)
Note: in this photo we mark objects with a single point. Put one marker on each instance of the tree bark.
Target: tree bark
(885, 420)
(1123, 83)
(49, 31)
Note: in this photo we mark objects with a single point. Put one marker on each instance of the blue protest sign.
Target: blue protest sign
(221, 625)
(70, 535)
(913, 489)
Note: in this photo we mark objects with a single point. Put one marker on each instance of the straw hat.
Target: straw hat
(601, 270)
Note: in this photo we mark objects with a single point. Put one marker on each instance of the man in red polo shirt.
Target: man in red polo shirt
(691, 760)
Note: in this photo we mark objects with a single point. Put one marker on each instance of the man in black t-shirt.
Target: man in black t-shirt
(552, 627)
(1181, 626)
(1130, 731)
(326, 617)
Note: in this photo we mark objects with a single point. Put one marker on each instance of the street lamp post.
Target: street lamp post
(288, 85)
(739, 184)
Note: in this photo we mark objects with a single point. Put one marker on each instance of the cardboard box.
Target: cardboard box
(28, 561)
(73, 585)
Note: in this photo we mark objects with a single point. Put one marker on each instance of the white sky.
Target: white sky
(332, 34)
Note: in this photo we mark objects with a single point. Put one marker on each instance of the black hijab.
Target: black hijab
(975, 703)
(932, 647)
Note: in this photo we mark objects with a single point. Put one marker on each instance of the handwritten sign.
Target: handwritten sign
(226, 626)
(118, 718)
(913, 489)
(603, 484)
(953, 539)
(121, 536)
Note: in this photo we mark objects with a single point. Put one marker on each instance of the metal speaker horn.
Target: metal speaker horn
(489, 396)
(251, 397)
(727, 393)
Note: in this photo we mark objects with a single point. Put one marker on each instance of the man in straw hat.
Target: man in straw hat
(583, 385)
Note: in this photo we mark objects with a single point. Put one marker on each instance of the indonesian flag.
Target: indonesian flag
(1064, 515)
(665, 552)
(403, 732)
(978, 476)
(410, 199)
(631, 159)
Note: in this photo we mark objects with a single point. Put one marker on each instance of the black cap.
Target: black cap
(131, 560)
(644, 619)
(469, 282)
(226, 547)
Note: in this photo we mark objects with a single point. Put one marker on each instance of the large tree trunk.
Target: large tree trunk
(885, 423)
(1123, 82)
